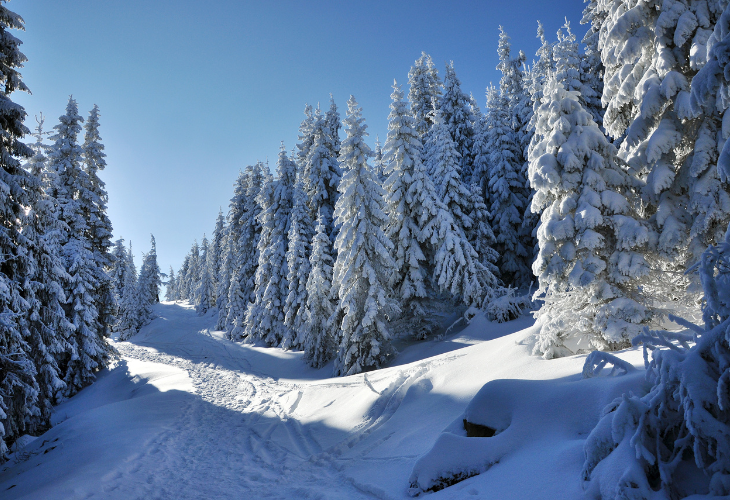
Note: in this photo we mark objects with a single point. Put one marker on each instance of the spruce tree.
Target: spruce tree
(90, 351)
(148, 284)
(364, 264)
(214, 260)
(319, 339)
(425, 88)
(402, 159)
(204, 291)
(171, 288)
(297, 259)
(592, 241)
(456, 114)
(265, 316)
(129, 321)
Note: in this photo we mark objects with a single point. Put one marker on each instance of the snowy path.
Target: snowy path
(188, 414)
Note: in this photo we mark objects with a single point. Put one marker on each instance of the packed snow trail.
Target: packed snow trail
(186, 413)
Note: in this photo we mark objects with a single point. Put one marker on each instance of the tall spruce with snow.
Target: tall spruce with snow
(204, 292)
(456, 114)
(297, 260)
(182, 280)
(230, 293)
(319, 339)
(321, 174)
(100, 227)
(592, 242)
(48, 326)
(402, 158)
(306, 138)
(709, 101)
(118, 268)
(506, 194)
(265, 316)
(18, 388)
(378, 163)
(650, 51)
(214, 259)
(128, 322)
(171, 287)
(456, 266)
(425, 87)
(72, 193)
(364, 265)
(148, 284)
(591, 67)
(247, 249)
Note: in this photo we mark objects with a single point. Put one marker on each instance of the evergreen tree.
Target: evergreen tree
(425, 88)
(171, 288)
(230, 294)
(117, 270)
(148, 284)
(18, 388)
(89, 350)
(297, 259)
(99, 225)
(403, 158)
(214, 260)
(591, 67)
(241, 293)
(506, 193)
(265, 316)
(319, 340)
(592, 243)
(364, 265)
(456, 114)
(321, 174)
(129, 320)
(203, 293)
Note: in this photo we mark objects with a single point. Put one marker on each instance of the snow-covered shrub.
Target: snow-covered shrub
(508, 306)
(676, 438)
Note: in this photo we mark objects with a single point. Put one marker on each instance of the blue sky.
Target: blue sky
(191, 92)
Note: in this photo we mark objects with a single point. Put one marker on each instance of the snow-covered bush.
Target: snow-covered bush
(676, 438)
(508, 306)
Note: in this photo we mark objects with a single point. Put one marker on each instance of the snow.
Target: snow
(185, 413)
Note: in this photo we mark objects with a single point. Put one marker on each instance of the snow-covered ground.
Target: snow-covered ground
(187, 414)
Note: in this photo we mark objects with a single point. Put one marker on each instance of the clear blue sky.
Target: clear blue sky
(191, 92)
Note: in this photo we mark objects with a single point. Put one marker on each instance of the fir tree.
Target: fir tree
(456, 114)
(297, 259)
(148, 284)
(265, 316)
(364, 265)
(214, 260)
(171, 288)
(319, 341)
(592, 243)
(203, 293)
(321, 174)
(425, 88)
(403, 158)
(129, 320)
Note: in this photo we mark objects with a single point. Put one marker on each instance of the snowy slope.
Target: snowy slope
(188, 414)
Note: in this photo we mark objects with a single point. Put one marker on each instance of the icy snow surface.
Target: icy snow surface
(187, 414)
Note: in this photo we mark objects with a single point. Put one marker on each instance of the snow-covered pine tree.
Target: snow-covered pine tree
(402, 158)
(425, 88)
(148, 284)
(297, 259)
(378, 164)
(182, 279)
(72, 194)
(18, 388)
(480, 235)
(591, 67)
(710, 99)
(650, 51)
(171, 287)
(332, 128)
(319, 340)
(507, 194)
(567, 59)
(214, 259)
(231, 260)
(118, 268)
(364, 265)
(674, 438)
(592, 241)
(456, 115)
(306, 138)
(456, 266)
(48, 326)
(241, 292)
(265, 316)
(100, 227)
(321, 174)
(128, 322)
(203, 293)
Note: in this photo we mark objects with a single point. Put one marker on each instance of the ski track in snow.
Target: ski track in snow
(227, 434)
